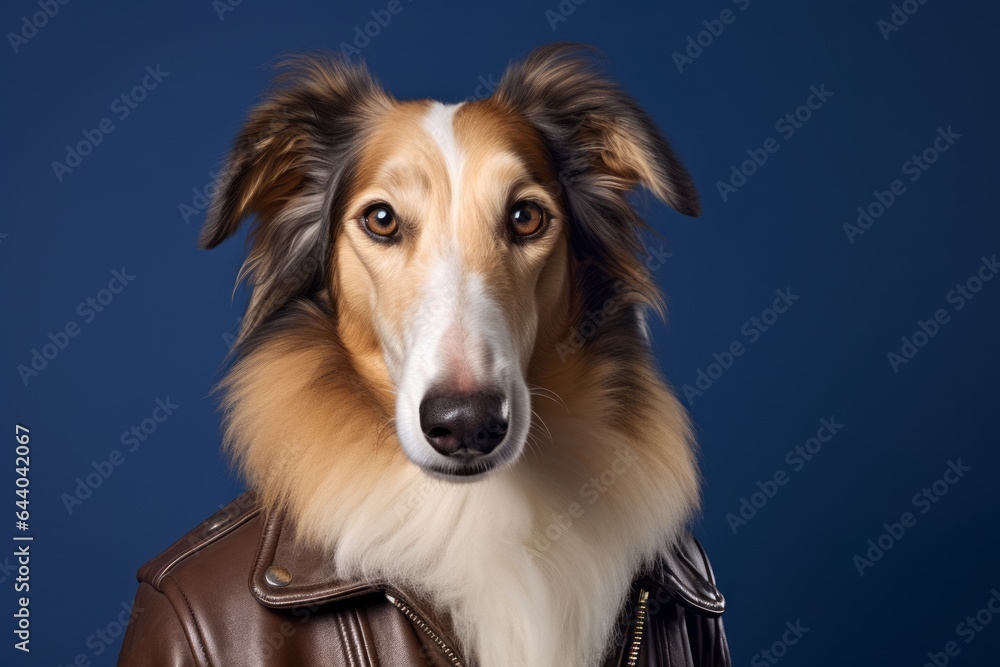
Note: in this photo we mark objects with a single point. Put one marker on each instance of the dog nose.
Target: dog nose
(463, 425)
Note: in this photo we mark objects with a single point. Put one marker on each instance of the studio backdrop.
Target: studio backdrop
(831, 317)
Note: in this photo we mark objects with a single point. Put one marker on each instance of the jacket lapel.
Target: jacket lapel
(289, 574)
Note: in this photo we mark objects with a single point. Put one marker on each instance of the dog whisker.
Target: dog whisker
(531, 444)
(543, 392)
(542, 423)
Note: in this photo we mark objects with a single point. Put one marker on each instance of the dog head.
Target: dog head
(447, 242)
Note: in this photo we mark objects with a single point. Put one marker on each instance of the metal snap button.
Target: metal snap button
(277, 576)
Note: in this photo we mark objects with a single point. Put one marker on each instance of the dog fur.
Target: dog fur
(531, 560)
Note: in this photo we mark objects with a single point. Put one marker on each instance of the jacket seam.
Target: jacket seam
(165, 569)
(345, 638)
(366, 643)
(200, 649)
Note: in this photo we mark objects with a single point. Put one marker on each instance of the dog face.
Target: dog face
(450, 245)
(447, 241)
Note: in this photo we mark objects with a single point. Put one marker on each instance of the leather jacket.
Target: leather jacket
(237, 591)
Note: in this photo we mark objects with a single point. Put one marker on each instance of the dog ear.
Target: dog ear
(594, 124)
(284, 170)
(604, 146)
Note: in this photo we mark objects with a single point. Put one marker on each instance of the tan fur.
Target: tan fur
(533, 561)
(310, 436)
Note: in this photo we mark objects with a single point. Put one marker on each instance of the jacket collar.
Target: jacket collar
(288, 574)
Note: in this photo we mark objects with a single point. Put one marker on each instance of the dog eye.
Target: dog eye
(526, 218)
(380, 222)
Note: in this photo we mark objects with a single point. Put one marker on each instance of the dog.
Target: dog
(444, 373)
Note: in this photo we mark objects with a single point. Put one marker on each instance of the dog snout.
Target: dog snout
(464, 426)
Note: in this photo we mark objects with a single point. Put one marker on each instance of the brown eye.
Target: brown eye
(526, 218)
(380, 222)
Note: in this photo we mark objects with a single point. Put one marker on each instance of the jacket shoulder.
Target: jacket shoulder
(235, 520)
(686, 574)
(174, 616)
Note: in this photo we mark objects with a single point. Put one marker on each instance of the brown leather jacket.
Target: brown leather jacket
(238, 592)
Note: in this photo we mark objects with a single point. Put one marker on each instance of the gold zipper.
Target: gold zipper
(640, 626)
(420, 623)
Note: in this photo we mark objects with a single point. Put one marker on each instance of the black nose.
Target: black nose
(463, 425)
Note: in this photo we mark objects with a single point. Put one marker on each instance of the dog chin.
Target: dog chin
(460, 474)
(464, 473)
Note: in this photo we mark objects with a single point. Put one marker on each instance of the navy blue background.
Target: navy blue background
(164, 335)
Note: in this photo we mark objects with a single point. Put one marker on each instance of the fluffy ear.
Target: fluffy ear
(595, 124)
(604, 147)
(284, 170)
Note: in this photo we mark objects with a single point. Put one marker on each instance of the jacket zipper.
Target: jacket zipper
(640, 626)
(634, 645)
(420, 623)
